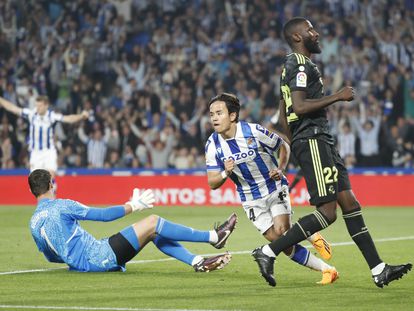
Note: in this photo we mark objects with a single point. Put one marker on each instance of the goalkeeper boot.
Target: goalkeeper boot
(329, 276)
(391, 273)
(212, 263)
(322, 246)
(265, 264)
(224, 230)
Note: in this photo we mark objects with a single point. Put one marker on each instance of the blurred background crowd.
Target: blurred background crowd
(147, 70)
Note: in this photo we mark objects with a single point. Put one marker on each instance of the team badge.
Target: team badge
(301, 78)
(251, 142)
(301, 68)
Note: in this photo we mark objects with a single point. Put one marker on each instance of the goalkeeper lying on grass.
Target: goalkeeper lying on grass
(58, 235)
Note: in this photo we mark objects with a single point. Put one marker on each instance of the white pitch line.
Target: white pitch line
(96, 308)
(403, 238)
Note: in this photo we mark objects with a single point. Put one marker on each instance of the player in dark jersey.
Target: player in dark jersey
(303, 117)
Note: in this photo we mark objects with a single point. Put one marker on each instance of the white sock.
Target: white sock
(316, 263)
(213, 236)
(311, 238)
(378, 269)
(268, 251)
(196, 260)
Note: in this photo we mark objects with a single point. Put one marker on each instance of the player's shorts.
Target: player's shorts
(123, 249)
(44, 159)
(262, 211)
(323, 168)
(98, 257)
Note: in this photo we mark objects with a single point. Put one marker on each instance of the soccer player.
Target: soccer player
(303, 116)
(41, 138)
(58, 235)
(245, 153)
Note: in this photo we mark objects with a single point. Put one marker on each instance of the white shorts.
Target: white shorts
(262, 211)
(46, 159)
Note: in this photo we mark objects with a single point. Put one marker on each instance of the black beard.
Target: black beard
(312, 46)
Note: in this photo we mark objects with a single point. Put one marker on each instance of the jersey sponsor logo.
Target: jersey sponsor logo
(241, 157)
(301, 68)
(301, 78)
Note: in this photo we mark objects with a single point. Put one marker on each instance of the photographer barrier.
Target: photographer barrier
(190, 188)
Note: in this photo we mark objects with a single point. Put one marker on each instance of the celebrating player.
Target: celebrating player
(58, 235)
(41, 139)
(245, 153)
(303, 116)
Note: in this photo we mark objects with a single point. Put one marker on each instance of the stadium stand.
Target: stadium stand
(148, 68)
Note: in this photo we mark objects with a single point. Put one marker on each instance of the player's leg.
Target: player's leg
(382, 273)
(316, 161)
(177, 232)
(164, 237)
(280, 204)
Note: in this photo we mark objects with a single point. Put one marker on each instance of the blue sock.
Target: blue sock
(173, 249)
(300, 255)
(176, 232)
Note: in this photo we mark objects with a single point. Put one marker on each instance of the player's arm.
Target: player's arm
(218, 178)
(301, 105)
(284, 154)
(283, 122)
(138, 202)
(10, 106)
(73, 118)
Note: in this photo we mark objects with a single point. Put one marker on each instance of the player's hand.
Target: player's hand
(276, 174)
(85, 114)
(142, 201)
(229, 166)
(347, 93)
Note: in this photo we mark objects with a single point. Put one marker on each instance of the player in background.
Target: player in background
(58, 235)
(303, 116)
(245, 152)
(42, 120)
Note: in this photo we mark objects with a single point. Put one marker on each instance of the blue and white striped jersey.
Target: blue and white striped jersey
(41, 135)
(252, 150)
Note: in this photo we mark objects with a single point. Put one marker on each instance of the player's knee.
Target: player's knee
(280, 229)
(152, 221)
(329, 211)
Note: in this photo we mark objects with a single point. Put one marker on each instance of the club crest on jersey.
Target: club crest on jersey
(251, 142)
(301, 78)
(241, 157)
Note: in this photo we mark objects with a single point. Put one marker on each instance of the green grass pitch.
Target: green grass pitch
(154, 283)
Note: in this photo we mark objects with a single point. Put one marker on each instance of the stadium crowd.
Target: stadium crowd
(147, 69)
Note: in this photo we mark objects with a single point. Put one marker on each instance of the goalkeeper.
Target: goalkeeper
(58, 235)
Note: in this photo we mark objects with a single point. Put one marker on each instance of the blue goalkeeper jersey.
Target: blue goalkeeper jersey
(58, 235)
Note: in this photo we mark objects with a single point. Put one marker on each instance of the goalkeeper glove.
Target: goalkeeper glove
(142, 201)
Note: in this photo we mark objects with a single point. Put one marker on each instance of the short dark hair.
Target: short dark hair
(43, 98)
(231, 100)
(289, 28)
(39, 182)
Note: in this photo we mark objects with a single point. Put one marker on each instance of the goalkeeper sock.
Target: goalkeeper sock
(174, 249)
(176, 232)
